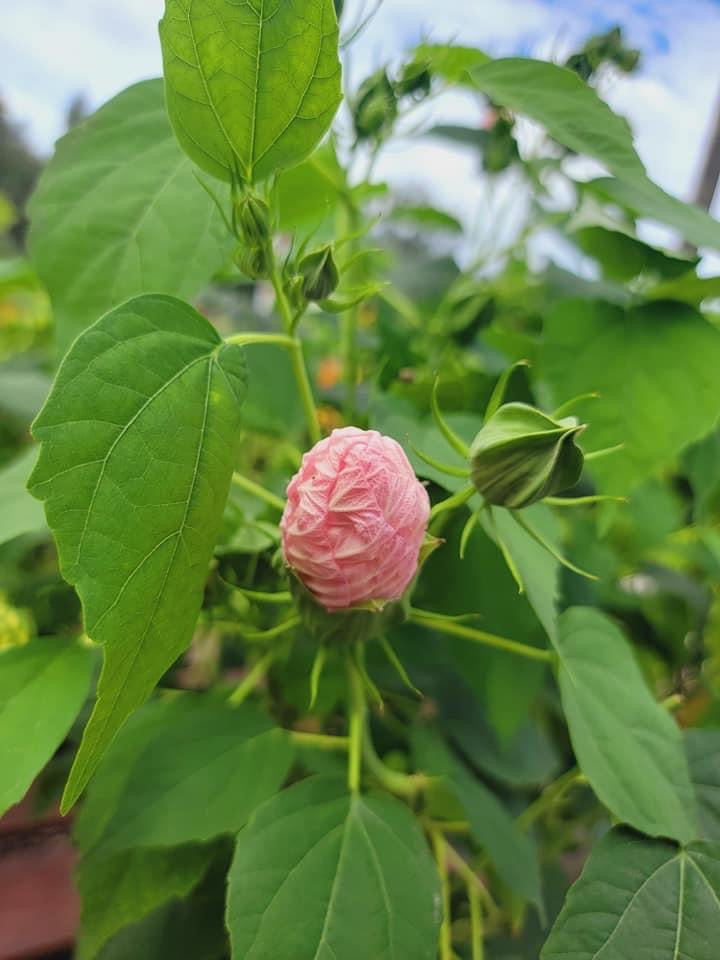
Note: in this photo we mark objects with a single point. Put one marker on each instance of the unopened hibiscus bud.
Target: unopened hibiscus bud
(319, 274)
(521, 455)
(252, 261)
(252, 219)
(355, 520)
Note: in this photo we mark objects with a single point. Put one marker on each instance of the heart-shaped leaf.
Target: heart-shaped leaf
(251, 87)
(139, 439)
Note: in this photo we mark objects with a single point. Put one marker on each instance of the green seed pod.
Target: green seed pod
(521, 455)
(319, 274)
(251, 219)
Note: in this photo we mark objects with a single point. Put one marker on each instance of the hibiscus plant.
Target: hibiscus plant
(365, 606)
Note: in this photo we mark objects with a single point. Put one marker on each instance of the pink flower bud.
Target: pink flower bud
(355, 519)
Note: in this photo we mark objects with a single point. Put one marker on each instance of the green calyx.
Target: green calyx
(363, 622)
(521, 455)
(319, 274)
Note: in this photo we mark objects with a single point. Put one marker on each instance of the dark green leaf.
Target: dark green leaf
(647, 400)
(183, 770)
(641, 898)
(42, 688)
(120, 890)
(702, 747)
(139, 438)
(322, 875)
(251, 89)
(191, 929)
(118, 212)
(627, 745)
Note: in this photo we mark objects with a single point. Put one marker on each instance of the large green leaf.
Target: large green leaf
(641, 898)
(572, 113)
(646, 199)
(703, 752)
(638, 361)
(19, 513)
(42, 688)
(140, 881)
(139, 438)
(452, 62)
(537, 568)
(492, 827)
(182, 771)
(626, 744)
(322, 875)
(250, 87)
(191, 928)
(118, 212)
(568, 108)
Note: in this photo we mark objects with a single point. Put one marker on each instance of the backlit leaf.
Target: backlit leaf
(250, 86)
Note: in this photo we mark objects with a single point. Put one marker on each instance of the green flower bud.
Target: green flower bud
(319, 274)
(375, 109)
(251, 219)
(521, 455)
(414, 80)
(252, 261)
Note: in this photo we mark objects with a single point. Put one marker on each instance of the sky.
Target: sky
(51, 50)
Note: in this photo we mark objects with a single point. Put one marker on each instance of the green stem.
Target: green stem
(297, 358)
(550, 796)
(306, 396)
(440, 850)
(251, 679)
(456, 500)
(476, 921)
(401, 784)
(249, 486)
(583, 501)
(471, 877)
(319, 741)
(426, 618)
(348, 352)
(357, 709)
(279, 598)
(247, 339)
(285, 627)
